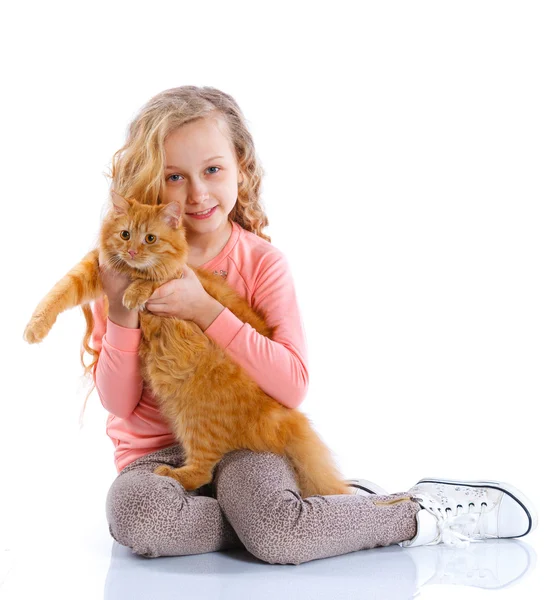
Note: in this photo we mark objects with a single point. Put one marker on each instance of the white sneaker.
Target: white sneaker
(364, 487)
(457, 512)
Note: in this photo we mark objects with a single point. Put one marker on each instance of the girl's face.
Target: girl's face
(201, 172)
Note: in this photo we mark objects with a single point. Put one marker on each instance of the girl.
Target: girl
(192, 145)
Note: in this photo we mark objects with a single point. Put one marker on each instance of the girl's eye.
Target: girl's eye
(150, 238)
(170, 177)
(125, 235)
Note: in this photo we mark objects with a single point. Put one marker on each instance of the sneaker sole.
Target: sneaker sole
(512, 491)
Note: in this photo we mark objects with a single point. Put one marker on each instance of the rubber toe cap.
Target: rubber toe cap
(513, 519)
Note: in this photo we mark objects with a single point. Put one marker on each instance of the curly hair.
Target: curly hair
(137, 168)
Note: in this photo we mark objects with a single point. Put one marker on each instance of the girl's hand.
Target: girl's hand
(114, 283)
(183, 298)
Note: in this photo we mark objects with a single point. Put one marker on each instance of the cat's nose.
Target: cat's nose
(132, 253)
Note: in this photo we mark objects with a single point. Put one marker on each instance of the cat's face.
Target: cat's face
(148, 240)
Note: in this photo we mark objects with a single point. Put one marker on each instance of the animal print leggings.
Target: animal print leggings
(252, 503)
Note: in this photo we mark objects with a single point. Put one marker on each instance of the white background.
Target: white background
(410, 178)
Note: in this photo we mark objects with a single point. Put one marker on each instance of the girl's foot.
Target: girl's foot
(457, 512)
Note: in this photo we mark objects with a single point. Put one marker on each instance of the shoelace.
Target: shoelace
(458, 530)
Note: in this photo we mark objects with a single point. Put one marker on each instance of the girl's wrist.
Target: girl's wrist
(124, 317)
(208, 313)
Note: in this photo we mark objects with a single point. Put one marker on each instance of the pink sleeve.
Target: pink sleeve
(117, 372)
(279, 365)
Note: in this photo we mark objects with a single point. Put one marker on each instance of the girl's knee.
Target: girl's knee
(139, 507)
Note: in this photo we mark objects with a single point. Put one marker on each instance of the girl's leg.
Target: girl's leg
(155, 516)
(260, 498)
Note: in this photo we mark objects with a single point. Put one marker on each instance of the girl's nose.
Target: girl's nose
(198, 193)
(132, 253)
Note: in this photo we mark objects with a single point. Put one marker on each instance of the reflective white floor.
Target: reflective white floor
(83, 561)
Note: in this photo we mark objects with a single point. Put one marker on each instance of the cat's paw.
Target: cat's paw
(189, 479)
(135, 298)
(36, 331)
(163, 470)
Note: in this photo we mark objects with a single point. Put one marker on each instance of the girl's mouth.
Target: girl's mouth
(203, 215)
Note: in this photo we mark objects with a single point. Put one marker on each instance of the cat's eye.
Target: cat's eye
(125, 235)
(150, 238)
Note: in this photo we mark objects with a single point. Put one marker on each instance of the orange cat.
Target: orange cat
(213, 406)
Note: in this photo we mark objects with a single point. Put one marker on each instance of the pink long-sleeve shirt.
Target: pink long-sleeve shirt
(260, 273)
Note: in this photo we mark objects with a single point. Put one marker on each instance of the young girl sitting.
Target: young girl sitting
(192, 145)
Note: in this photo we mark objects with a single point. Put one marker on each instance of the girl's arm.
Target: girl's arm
(279, 365)
(116, 374)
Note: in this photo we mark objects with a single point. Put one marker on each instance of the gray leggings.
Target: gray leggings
(252, 503)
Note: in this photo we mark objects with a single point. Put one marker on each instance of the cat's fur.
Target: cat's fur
(213, 406)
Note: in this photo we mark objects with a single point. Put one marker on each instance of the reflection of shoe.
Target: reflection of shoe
(496, 564)
(363, 487)
(457, 512)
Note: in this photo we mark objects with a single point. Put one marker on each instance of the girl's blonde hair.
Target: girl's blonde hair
(138, 166)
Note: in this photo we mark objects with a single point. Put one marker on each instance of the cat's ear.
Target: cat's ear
(172, 214)
(120, 205)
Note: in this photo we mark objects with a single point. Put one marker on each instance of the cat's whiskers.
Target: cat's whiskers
(158, 271)
(151, 268)
(115, 261)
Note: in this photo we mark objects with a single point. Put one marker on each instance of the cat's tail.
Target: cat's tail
(312, 460)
